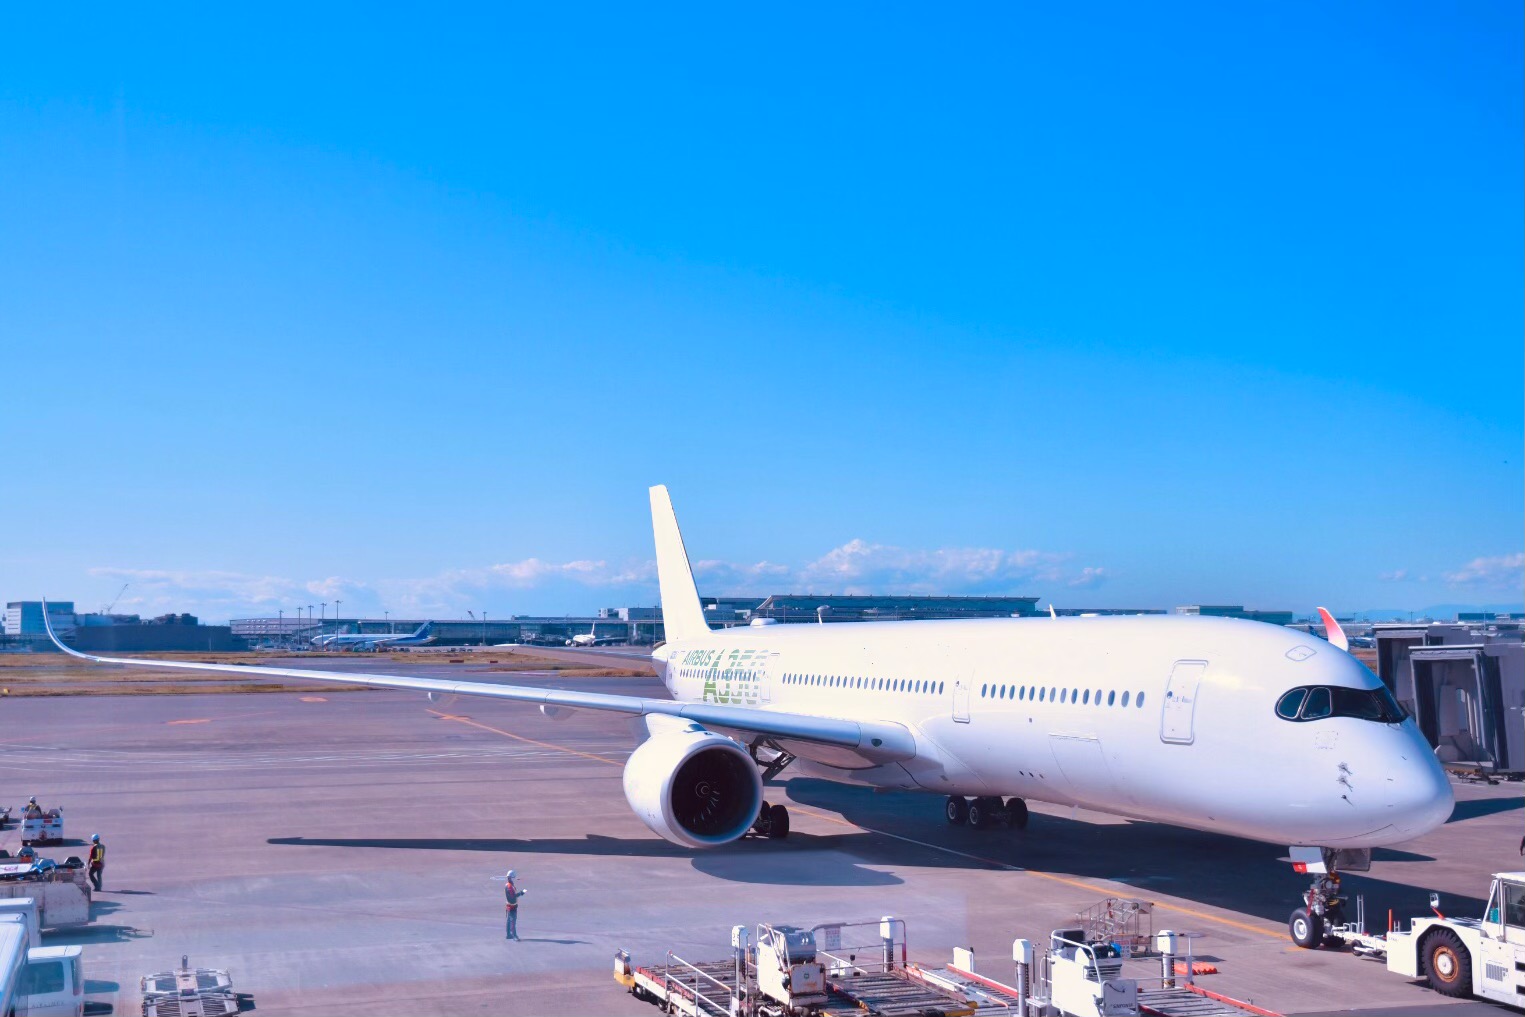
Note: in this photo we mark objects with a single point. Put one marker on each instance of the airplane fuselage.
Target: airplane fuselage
(1167, 719)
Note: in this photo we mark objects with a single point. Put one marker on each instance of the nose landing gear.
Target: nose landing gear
(1323, 907)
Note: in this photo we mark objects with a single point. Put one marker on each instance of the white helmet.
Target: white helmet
(95, 838)
(510, 874)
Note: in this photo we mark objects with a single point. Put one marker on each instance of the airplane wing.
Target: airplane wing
(875, 741)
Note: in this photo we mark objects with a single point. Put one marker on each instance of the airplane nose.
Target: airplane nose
(1419, 795)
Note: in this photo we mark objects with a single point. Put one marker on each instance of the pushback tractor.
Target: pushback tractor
(1460, 957)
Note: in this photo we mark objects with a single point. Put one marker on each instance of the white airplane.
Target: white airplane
(375, 640)
(1214, 724)
(591, 638)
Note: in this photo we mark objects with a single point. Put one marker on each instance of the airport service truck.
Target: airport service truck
(38, 981)
(1461, 957)
(1483, 957)
(44, 828)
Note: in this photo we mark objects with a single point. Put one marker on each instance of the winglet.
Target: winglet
(1333, 632)
(1051, 612)
(47, 623)
(682, 617)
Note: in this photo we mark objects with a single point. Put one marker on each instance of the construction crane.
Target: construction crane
(108, 607)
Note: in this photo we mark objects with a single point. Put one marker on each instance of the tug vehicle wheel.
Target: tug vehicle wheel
(1447, 965)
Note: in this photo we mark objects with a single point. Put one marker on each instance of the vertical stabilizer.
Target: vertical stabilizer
(682, 617)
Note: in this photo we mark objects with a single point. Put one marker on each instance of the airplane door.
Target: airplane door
(960, 701)
(765, 678)
(1178, 715)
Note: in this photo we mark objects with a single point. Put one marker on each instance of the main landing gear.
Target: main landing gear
(772, 822)
(985, 812)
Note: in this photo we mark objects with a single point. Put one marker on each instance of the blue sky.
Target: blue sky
(1110, 305)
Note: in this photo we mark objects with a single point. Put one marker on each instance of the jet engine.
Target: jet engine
(694, 787)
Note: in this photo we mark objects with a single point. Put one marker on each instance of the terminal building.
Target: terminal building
(111, 633)
(794, 607)
(1237, 611)
(640, 626)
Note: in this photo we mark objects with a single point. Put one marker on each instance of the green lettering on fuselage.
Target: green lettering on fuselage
(731, 677)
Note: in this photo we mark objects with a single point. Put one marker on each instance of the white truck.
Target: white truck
(46, 827)
(44, 981)
(1482, 957)
(24, 908)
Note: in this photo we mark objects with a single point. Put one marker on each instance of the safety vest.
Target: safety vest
(97, 854)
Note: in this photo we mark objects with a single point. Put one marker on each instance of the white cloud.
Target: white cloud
(1395, 576)
(861, 567)
(713, 574)
(1506, 570)
(533, 585)
(221, 594)
(1089, 578)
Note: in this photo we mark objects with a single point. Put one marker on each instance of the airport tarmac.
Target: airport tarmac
(337, 852)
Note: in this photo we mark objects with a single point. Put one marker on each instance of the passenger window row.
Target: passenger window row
(1075, 697)
(911, 685)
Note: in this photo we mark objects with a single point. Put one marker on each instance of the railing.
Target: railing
(846, 954)
(689, 980)
(1122, 920)
(1086, 952)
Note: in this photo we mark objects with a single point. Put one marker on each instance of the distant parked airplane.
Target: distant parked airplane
(591, 638)
(375, 640)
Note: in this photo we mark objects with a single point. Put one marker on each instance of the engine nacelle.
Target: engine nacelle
(694, 787)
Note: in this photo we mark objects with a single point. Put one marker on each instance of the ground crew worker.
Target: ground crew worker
(97, 861)
(511, 895)
(33, 810)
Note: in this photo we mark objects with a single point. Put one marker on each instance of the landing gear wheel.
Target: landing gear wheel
(778, 822)
(957, 810)
(983, 812)
(1016, 811)
(1307, 929)
(1447, 965)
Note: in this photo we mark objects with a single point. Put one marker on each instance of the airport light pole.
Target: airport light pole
(484, 626)
(387, 615)
(280, 625)
(336, 613)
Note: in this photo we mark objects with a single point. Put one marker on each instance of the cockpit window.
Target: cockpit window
(1315, 702)
(1291, 703)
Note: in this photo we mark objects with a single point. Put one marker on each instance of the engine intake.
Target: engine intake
(694, 787)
